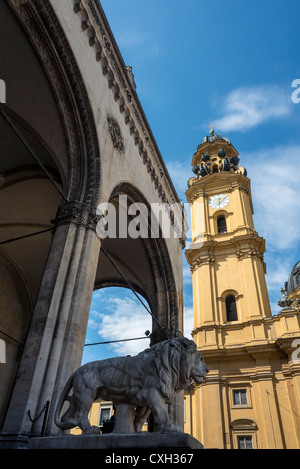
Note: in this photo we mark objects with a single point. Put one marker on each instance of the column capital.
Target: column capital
(78, 214)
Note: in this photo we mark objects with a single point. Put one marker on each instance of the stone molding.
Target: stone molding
(100, 38)
(255, 251)
(243, 425)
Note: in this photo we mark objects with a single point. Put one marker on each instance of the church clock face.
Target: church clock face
(219, 201)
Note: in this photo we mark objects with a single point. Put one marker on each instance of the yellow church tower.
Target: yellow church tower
(250, 398)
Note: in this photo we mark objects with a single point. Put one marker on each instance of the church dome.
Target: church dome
(215, 155)
(294, 278)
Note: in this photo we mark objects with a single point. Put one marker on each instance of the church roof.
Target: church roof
(294, 278)
(215, 155)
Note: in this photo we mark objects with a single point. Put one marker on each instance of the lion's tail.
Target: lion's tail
(66, 422)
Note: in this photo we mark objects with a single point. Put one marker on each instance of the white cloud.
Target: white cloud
(180, 172)
(187, 276)
(144, 44)
(188, 321)
(122, 318)
(130, 38)
(278, 270)
(279, 265)
(275, 191)
(247, 107)
(275, 308)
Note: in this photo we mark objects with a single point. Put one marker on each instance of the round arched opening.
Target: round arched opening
(119, 324)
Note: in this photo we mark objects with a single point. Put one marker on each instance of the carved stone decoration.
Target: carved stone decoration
(115, 133)
(77, 213)
(285, 302)
(140, 385)
(200, 261)
(68, 213)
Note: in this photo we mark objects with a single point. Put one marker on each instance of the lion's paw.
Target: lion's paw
(172, 428)
(92, 431)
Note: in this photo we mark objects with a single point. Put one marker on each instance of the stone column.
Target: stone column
(56, 337)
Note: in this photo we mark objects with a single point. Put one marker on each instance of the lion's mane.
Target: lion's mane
(172, 360)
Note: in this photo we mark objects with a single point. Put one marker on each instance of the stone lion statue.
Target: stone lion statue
(138, 385)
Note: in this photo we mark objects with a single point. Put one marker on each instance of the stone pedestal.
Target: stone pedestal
(114, 441)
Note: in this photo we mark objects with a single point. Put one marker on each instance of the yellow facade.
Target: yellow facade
(101, 410)
(251, 397)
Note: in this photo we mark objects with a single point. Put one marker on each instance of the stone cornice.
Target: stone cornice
(206, 257)
(263, 350)
(213, 183)
(243, 246)
(107, 54)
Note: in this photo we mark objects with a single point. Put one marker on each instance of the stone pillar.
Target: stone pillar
(56, 337)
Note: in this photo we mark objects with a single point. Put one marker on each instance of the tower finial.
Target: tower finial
(211, 132)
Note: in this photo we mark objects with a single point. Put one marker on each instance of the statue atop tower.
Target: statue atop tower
(215, 155)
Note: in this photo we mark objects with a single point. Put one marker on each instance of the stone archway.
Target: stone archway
(144, 263)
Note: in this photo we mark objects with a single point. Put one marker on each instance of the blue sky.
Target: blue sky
(230, 63)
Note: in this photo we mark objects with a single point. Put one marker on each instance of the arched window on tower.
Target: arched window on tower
(222, 227)
(231, 312)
